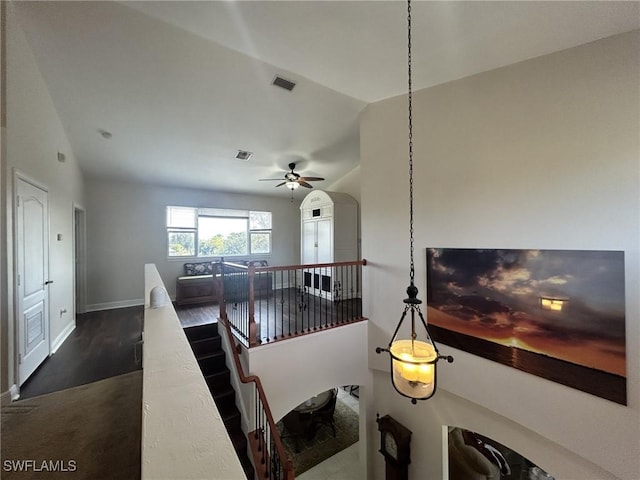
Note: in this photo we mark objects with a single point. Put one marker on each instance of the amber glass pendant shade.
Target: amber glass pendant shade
(413, 368)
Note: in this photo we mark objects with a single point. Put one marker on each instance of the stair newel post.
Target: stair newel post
(218, 275)
(253, 338)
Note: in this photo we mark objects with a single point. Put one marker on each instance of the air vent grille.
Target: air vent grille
(283, 83)
(243, 155)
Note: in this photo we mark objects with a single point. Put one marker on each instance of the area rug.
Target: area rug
(88, 432)
(323, 445)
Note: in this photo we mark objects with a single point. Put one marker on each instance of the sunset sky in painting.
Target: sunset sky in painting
(495, 295)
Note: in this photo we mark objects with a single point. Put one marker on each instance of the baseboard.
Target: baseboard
(55, 345)
(111, 305)
(12, 394)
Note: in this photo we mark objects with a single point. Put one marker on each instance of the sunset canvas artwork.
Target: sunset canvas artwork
(558, 314)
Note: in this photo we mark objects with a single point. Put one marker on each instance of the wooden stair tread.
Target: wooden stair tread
(220, 394)
(230, 414)
(200, 331)
(205, 356)
(206, 345)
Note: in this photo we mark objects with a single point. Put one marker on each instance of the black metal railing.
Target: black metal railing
(268, 304)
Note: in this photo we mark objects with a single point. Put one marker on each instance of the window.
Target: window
(209, 232)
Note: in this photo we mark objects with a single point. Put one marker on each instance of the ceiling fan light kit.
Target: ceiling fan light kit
(293, 180)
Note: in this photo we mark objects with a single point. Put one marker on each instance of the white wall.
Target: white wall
(126, 229)
(541, 154)
(34, 136)
(349, 184)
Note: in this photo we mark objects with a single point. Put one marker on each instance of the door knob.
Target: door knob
(48, 282)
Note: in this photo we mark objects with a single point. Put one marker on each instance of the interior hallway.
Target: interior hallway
(104, 344)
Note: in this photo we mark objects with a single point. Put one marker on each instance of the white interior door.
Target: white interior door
(32, 245)
(309, 243)
(324, 243)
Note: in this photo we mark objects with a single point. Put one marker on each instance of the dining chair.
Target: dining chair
(297, 425)
(325, 414)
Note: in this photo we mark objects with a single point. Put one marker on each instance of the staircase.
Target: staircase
(206, 345)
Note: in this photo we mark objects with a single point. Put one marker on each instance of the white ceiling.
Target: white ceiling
(183, 85)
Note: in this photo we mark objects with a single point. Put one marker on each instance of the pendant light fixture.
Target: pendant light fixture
(413, 361)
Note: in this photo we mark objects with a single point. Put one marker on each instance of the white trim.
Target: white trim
(15, 392)
(111, 305)
(18, 174)
(59, 340)
(10, 395)
(80, 256)
(445, 451)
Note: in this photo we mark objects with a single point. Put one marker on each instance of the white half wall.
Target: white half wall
(294, 370)
(291, 371)
(541, 154)
(183, 435)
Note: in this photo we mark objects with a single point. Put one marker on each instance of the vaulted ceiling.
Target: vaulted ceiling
(182, 86)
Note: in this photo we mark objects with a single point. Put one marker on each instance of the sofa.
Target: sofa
(197, 285)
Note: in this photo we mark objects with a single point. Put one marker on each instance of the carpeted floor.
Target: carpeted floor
(90, 432)
(323, 445)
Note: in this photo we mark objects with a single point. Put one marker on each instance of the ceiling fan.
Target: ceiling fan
(293, 180)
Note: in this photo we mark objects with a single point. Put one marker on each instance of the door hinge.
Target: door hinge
(18, 201)
(19, 359)
(18, 279)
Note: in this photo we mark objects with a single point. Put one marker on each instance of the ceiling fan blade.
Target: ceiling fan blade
(304, 184)
(280, 184)
(311, 179)
(269, 179)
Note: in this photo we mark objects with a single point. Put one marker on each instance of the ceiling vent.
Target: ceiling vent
(283, 83)
(243, 155)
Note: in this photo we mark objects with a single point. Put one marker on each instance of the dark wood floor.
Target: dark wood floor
(104, 344)
(285, 313)
(192, 315)
(289, 312)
